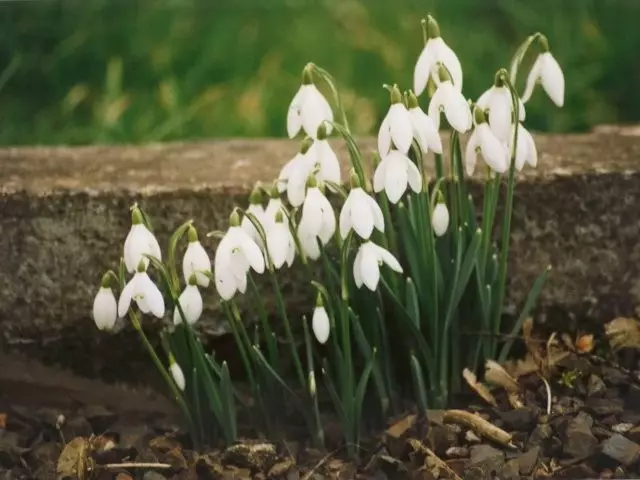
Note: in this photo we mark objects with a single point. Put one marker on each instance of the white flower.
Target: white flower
(435, 52)
(178, 376)
(366, 267)
(547, 71)
(425, 131)
(105, 309)
(394, 173)
(273, 207)
(497, 100)
(281, 244)
(396, 127)
(440, 219)
(196, 262)
(318, 221)
(139, 243)
(322, 157)
(494, 152)
(293, 177)
(526, 151)
(449, 100)
(144, 292)
(360, 212)
(320, 324)
(191, 302)
(236, 254)
(257, 210)
(308, 109)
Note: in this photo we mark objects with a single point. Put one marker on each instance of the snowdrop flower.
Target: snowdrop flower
(105, 306)
(324, 159)
(546, 70)
(144, 292)
(139, 243)
(424, 128)
(318, 221)
(237, 253)
(440, 217)
(360, 212)
(435, 52)
(256, 209)
(196, 261)
(366, 267)
(274, 205)
(293, 176)
(526, 151)
(308, 109)
(396, 126)
(190, 301)
(320, 321)
(176, 373)
(281, 245)
(394, 173)
(483, 141)
(450, 100)
(499, 106)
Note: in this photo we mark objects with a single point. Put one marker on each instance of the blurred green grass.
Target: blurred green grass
(100, 71)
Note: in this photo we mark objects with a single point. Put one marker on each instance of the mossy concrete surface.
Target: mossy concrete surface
(64, 214)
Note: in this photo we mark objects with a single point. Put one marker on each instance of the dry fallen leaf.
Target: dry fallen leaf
(584, 343)
(478, 387)
(623, 332)
(496, 374)
(74, 460)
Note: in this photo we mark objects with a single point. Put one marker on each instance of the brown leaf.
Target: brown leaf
(496, 374)
(623, 332)
(74, 460)
(584, 343)
(479, 388)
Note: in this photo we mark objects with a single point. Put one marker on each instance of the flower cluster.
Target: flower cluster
(397, 255)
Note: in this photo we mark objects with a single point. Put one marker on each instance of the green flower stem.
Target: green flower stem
(326, 76)
(348, 380)
(233, 317)
(264, 321)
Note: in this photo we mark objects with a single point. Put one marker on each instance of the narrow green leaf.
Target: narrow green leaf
(411, 302)
(269, 369)
(418, 382)
(466, 269)
(361, 390)
(228, 404)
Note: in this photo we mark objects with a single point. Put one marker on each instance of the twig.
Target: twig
(479, 425)
(321, 462)
(115, 466)
(418, 445)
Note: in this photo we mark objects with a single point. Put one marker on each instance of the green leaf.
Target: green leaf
(228, 404)
(362, 388)
(418, 382)
(345, 420)
(411, 301)
(466, 269)
(269, 369)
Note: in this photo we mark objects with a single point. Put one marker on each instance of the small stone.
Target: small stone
(10, 449)
(605, 406)
(578, 441)
(614, 376)
(634, 434)
(528, 461)
(621, 450)
(457, 452)
(486, 458)
(510, 471)
(595, 386)
(471, 437)
(521, 419)
(539, 435)
(581, 470)
(440, 438)
(151, 475)
(256, 456)
(281, 468)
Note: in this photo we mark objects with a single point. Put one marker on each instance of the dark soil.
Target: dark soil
(593, 431)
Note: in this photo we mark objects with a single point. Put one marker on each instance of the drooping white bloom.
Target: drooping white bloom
(293, 177)
(483, 141)
(320, 324)
(497, 101)
(318, 221)
(366, 267)
(257, 210)
(324, 160)
(449, 100)
(196, 261)
(190, 301)
(394, 173)
(440, 219)
(281, 245)
(144, 292)
(546, 70)
(273, 207)
(139, 243)
(526, 151)
(105, 309)
(178, 376)
(435, 52)
(236, 254)
(362, 213)
(396, 127)
(308, 109)
(425, 131)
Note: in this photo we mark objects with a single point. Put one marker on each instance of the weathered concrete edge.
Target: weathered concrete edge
(57, 244)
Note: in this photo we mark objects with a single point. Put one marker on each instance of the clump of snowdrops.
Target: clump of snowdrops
(409, 279)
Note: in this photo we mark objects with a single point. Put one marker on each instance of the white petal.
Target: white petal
(450, 60)
(357, 276)
(191, 302)
(328, 223)
(484, 100)
(344, 220)
(456, 108)
(388, 259)
(297, 183)
(380, 175)
(552, 79)
(493, 151)
(278, 244)
(369, 267)
(329, 163)
(532, 78)
(425, 131)
(308, 239)
(440, 219)
(178, 375)
(105, 309)
(291, 251)
(314, 111)
(384, 135)
(196, 261)
(500, 112)
(150, 295)
(136, 245)
(471, 153)
(401, 127)
(396, 179)
(522, 111)
(252, 252)
(422, 71)
(294, 120)
(435, 107)
(378, 217)
(320, 324)
(361, 216)
(414, 177)
(124, 303)
(532, 157)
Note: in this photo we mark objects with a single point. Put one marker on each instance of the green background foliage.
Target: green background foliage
(96, 71)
